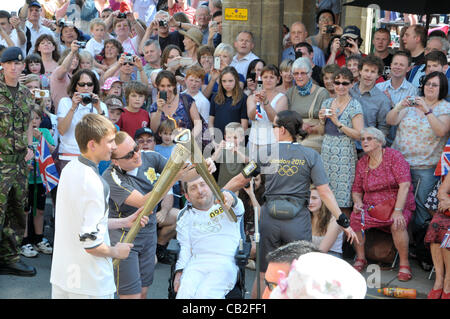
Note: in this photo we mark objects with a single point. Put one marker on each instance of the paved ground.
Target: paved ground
(38, 287)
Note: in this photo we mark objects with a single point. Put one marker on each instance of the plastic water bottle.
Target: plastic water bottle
(399, 292)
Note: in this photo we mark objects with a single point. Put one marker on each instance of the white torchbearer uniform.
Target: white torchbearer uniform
(208, 241)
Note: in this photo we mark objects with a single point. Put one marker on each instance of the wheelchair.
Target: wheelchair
(241, 258)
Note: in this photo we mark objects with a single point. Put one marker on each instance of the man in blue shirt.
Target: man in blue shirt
(397, 88)
(375, 104)
(299, 34)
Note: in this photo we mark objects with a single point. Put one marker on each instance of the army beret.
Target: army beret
(12, 54)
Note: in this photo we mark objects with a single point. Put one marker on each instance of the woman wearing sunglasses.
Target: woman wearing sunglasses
(83, 98)
(382, 174)
(342, 120)
(423, 124)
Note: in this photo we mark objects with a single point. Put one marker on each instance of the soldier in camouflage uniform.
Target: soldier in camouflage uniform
(15, 136)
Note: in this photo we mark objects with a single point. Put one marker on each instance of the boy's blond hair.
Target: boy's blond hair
(92, 127)
(166, 126)
(95, 22)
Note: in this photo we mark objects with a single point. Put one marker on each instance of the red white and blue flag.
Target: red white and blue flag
(47, 168)
(443, 166)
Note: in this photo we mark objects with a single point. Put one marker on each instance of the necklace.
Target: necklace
(341, 105)
(374, 162)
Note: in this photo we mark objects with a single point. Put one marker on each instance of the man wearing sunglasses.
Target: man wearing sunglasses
(131, 178)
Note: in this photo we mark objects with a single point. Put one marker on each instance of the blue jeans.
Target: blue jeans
(423, 182)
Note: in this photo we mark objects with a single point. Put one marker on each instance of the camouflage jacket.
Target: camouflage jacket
(15, 116)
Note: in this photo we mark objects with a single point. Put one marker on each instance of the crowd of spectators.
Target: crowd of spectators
(379, 121)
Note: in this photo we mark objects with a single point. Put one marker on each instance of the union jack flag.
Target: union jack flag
(443, 165)
(47, 168)
(446, 240)
(258, 111)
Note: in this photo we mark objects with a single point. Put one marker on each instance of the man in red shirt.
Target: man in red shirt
(340, 50)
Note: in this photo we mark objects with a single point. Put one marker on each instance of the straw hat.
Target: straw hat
(194, 34)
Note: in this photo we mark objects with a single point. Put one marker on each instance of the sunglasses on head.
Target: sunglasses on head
(129, 154)
(81, 84)
(128, 63)
(343, 83)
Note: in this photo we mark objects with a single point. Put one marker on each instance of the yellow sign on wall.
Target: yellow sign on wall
(238, 14)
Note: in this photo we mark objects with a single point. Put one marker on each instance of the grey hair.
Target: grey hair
(291, 251)
(376, 133)
(248, 32)
(444, 42)
(224, 47)
(203, 7)
(153, 42)
(302, 63)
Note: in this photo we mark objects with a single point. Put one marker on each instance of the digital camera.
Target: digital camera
(81, 44)
(344, 42)
(86, 98)
(330, 29)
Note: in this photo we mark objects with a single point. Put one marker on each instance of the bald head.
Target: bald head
(298, 33)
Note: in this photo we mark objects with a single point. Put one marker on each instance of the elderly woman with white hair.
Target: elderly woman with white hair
(306, 98)
(225, 53)
(383, 197)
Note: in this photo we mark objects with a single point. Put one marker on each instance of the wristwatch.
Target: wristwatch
(429, 112)
(103, 113)
(343, 221)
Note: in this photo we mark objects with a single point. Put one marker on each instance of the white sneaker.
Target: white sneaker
(44, 247)
(28, 251)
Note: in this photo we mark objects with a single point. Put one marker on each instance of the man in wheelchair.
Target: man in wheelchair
(208, 238)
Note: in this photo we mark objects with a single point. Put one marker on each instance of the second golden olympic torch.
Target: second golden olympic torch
(186, 148)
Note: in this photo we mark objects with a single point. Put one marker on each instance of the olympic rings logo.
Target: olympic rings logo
(287, 170)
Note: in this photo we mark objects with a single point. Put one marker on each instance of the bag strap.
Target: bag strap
(311, 108)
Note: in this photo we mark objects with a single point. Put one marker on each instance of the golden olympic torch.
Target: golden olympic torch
(185, 148)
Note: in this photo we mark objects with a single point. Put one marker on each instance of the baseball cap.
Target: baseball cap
(143, 130)
(114, 103)
(35, 4)
(12, 54)
(352, 31)
(109, 82)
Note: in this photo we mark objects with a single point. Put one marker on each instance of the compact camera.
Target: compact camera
(330, 29)
(411, 100)
(229, 145)
(86, 98)
(298, 54)
(129, 58)
(328, 112)
(163, 23)
(81, 44)
(344, 42)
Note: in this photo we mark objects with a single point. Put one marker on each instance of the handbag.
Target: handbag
(383, 210)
